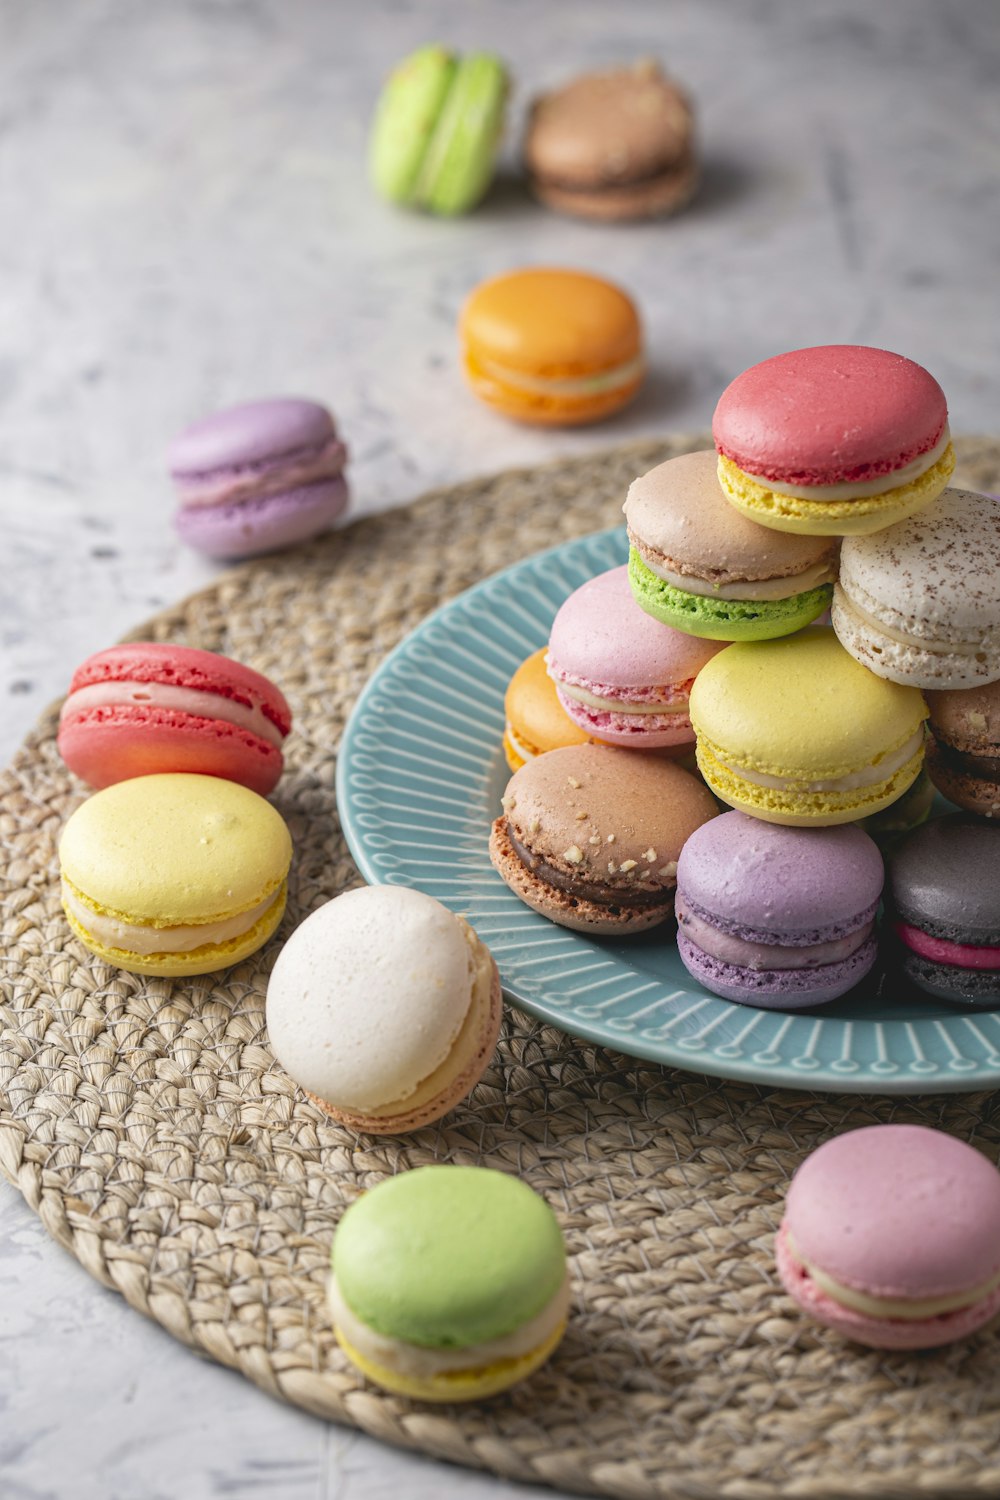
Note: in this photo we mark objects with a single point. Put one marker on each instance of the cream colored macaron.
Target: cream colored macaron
(385, 1007)
(174, 874)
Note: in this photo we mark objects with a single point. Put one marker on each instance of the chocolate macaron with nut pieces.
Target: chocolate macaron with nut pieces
(385, 1007)
(697, 564)
(590, 836)
(613, 145)
(919, 603)
(963, 753)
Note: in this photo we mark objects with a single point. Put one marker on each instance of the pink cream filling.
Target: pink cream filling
(153, 695)
(258, 483)
(940, 951)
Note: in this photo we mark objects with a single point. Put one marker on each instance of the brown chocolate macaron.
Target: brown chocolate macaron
(963, 756)
(590, 836)
(613, 145)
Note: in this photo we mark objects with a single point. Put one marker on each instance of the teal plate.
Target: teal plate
(419, 781)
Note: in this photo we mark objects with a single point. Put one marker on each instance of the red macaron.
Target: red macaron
(151, 707)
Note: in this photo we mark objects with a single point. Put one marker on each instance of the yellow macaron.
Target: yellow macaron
(796, 731)
(174, 874)
(552, 347)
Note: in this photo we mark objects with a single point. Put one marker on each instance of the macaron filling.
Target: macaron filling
(875, 484)
(113, 931)
(99, 700)
(522, 750)
(873, 1305)
(943, 951)
(754, 589)
(770, 955)
(628, 883)
(976, 642)
(420, 1362)
(868, 776)
(762, 500)
(256, 480)
(616, 378)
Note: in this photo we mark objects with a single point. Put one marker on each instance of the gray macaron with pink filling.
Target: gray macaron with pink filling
(777, 917)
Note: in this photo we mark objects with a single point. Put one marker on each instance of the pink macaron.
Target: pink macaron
(891, 1236)
(258, 477)
(621, 675)
(833, 441)
(150, 707)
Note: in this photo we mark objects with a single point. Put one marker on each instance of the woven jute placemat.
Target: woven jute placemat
(149, 1126)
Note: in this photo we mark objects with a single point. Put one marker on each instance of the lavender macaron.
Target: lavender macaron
(777, 917)
(258, 477)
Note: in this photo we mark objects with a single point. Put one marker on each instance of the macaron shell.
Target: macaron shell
(654, 198)
(457, 1088)
(601, 637)
(802, 707)
(833, 517)
(632, 731)
(959, 986)
(968, 719)
(250, 528)
(175, 849)
(781, 989)
(108, 745)
(553, 322)
(878, 1333)
(945, 878)
(920, 602)
(836, 413)
(250, 434)
(973, 789)
(460, 1385)
(899, 1211)
(458, 163)
(408, 110)
(723, 620)
(204, 960)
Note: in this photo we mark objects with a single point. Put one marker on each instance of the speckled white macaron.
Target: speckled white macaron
(919, 603)
(385, 1007)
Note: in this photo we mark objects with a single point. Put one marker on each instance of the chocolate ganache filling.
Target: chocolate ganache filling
(632, 895)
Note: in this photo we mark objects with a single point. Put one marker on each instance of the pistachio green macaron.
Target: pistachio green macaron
(449, 1283)
(436, 130)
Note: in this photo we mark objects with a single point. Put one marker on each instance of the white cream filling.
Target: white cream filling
(619, 705)
(581, 385)
(180, 699)
(870, 776)
(907, 1309)
(847, 602)
(861, 488)
(133, 937)
(517, 745)
(760, 588)
(419, 1363)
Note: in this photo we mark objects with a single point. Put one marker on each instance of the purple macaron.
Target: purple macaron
(777, 917)
(258, 477)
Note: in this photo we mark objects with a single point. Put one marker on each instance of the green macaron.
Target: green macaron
(701, 567)
(448, 1282)
(437, 127)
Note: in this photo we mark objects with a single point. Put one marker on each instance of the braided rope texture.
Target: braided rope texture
(147, 1123)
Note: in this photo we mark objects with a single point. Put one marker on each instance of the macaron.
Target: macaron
(534, 719)
(449, 1283)
(151, 706)
(590, 836)
(838, 440)
(552, 347)
(891, 1236)
(963, 753)
(796, 731)
(944, 892)
(697, 564)
(437, 128)
(174, 874)
(385, 1007)
(920, 602)
(613, 145)
(777, 917)
(621, 676)
(258, 477)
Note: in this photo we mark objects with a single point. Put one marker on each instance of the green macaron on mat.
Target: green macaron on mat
(147, 1122)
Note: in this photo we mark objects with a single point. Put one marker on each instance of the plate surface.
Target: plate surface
(419, 780)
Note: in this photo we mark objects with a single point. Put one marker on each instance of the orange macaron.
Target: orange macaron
(534, 719)
(552, 347)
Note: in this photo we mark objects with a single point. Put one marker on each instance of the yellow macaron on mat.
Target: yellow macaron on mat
(146, 1121)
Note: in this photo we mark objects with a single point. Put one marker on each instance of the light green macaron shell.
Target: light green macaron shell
(436, 130)
(723, 619)
(448, 1257)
